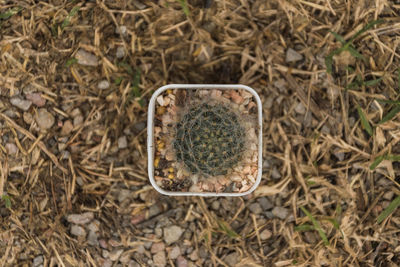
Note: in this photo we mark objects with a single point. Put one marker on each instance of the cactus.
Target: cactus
(209, 139)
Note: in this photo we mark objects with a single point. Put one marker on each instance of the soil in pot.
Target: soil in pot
(206, 140)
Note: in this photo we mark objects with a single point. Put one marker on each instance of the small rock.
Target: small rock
(11, 148)
(266, 234)
(37, 260)
(67, 128)
(215, 205)
(75, 112)
(114, 255)
(105, 253)
(94, 226)
(120, 52)
(194, 256)
(159, 259)
(203, 253)
(80, 218)
(269, 215)
(123, 194)
(104, 84)
(174, 253)
(255, 208)
(325, 129)
(133, 263)
(140, 249)
(93, 239)
(36, 99)
(280, 212)
(44, 119)
(275, 174)
(139, 126)
(300, 108)
(107, 263)
(148, 244)
(20, 103)
(139, 5)
(77, 230)
(125, 258)
(231, 259)
(157, 247)
(293, 55)
(265, 203)
(181, 262)
(65, 155)
(86, 58)
(388, 195)
(120, 30)
(103, 243)
(338, 154)
(10, 113)
(158, 232)
(310, 237)
(172, 234)
(122, 142)
(28, 118)
(78, 120)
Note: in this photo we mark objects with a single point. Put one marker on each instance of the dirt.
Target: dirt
(75, 81)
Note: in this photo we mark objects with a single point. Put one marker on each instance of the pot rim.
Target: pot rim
(150, 137)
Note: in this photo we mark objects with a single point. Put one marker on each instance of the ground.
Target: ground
(75, 81)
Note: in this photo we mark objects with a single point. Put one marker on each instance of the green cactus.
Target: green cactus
(209, 139)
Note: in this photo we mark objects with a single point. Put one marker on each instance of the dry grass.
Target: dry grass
(313, 136)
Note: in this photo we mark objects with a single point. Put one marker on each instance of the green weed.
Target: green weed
(185, 7)
(7, 200)
(364, 121)
(389, 210)
(348, 45)
(315, 226)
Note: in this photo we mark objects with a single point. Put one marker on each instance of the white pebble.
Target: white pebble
(21, 103)
(120, 52)
(44, 119)
(77, 230)
(80, 218)
(86, 58)
(104, 84)
(122, 142)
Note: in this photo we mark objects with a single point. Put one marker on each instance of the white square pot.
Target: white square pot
(150, 136)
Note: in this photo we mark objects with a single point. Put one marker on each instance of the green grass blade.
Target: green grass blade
(392, 157)
(72, 13)
(126, 67)
(364, 29)
(364, 121)
(338, 37)
(227, 229)
(373, 82)
(388, 101)
(135, 84)
(317, 226)
(355, 53)
(398, 78)
(338, 209)
(7, 200)
(304, 228)
(118, 80)
(390, 115)
(376, 162)
(71, 62)
(392, 206)
(8, 14)
(329, 63)
(184, 7)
